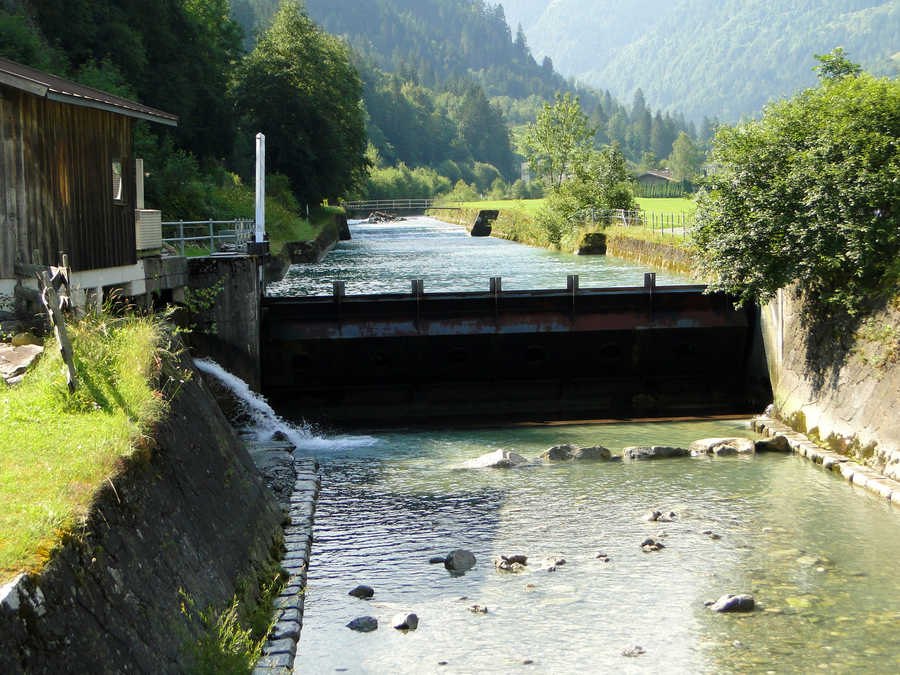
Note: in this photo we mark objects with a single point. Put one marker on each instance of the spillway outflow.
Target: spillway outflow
(265, 421)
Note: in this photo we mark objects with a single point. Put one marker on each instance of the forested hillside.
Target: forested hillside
(446, 83)
(719, 58)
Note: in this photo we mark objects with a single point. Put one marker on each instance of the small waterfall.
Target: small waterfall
(266, 421)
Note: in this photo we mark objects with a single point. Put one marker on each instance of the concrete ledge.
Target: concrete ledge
(281, 646)
(853, 472)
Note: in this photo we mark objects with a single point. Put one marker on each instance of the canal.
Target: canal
(815, 552)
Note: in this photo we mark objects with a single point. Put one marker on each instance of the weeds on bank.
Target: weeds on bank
(230, 641)
(57, 450)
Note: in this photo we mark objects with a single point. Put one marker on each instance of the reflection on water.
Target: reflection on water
(383, 258)
(817, 557)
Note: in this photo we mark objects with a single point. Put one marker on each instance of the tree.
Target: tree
(298, 88)
(809, 193)
(559, 142)
(685, 160)
(834, 65)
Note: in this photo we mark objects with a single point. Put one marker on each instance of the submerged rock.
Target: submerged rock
(362, 592)
(649, 545)
(363, 624)
(478, 609)
(460, 561)
(499, 459)
(722, 447)
(565, 453)
(405, 621)
(634, 651)
(638, 452)
(661, 517)
(511, 563)
(734, 603)
(552, 563)
(437, 560)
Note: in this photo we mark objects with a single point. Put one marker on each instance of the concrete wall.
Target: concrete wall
(225, 324)
(849, 399)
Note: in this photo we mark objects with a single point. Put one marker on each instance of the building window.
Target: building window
(117, 186)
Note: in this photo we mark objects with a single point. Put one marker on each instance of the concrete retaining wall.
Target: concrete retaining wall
(848, 401)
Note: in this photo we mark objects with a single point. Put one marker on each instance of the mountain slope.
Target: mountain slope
(720, 58)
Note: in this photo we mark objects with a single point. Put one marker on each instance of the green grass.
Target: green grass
(645, 234)
(57, 450)
(668, 205)
(527, 206)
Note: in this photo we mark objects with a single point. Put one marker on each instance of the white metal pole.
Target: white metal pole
(260, 188)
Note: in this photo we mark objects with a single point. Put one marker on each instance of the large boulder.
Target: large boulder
(777, 443)
(460, 561)
(499, 459)
(639, 452)
(722, 447)
(564, 453)
(362, 592)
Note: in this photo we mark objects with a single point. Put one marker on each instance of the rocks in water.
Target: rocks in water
(363, 624)
(733, 603)
(633, 651)
(478, 609)
(459, 561)
(511, 563)
(362, 592)
(499, 459)
(661, 517)
(405, 621)
(565, 453)
(437, 560)
(552, 563)
(649, 545)
(639, 452)
(602, 557)
(712, 535)
(722, 447)
(777, 443)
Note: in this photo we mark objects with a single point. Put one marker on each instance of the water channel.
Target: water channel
(817, 554)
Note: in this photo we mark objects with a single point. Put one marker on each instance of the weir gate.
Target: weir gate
(610, 353)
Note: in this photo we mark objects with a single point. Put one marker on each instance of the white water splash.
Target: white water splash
(266, 421)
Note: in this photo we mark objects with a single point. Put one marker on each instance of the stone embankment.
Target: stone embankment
(281, 647)
(857, 474)
(187, 520)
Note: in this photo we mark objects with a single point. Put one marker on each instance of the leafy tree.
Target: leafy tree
(834, 65)
(809, 193)
(559, 142)
(686, 159)
(298, 87)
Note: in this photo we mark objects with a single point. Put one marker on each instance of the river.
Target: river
(816, 553)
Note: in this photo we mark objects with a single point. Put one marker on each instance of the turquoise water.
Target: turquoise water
(817, 554)
(385, 257)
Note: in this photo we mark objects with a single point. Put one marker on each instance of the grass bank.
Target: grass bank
(57, 450)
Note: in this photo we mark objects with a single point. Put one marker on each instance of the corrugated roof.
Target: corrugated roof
(45, 85)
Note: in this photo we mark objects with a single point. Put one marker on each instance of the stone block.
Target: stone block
(286, 630)
(283, 646)
(881, 487)
(276, 662)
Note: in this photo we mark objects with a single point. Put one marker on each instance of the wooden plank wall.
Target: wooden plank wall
(56, 184)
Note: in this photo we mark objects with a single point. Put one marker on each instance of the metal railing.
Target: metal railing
(204, 234)
(674, 224)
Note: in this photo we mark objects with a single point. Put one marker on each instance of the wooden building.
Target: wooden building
(655, 177)
(68, 182)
